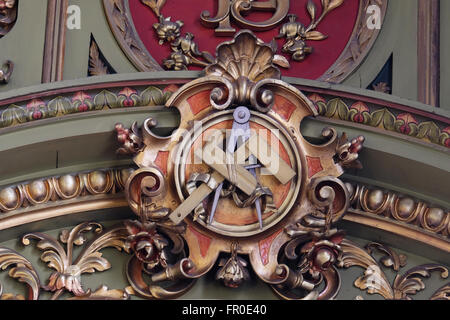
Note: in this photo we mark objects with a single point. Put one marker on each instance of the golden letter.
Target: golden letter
(238, 8)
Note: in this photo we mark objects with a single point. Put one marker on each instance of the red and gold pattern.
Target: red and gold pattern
(338, 26)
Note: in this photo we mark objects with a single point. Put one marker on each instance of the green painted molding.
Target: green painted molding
(398, 36)
(445, 54)
(106, 81)
(393, 99)
(401, 165)
(24, 45)
(59, 145)
(115, 80)
(93, 21)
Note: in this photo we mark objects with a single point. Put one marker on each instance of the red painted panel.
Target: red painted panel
(161, 161)
(314, 166)
(200, 101)
(203, 241)
(264, 247)
(338, 26)
(283, 107)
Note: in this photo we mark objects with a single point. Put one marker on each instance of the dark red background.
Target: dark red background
(338, 25)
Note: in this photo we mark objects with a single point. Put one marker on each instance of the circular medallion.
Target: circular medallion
(230, 218)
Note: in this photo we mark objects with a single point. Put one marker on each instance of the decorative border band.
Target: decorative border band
(407, 122)
(56, 192)
(59, 191)
(60, 104)
(398, 117)
(400, 208)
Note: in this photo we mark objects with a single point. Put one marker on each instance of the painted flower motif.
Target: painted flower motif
(147, 244)
(322, 251)
(316, 98)
(35, 107)
(407, 122)
(446, 141)
(233, 272)
(359, 112)
(128, 97)
(167, 30)
(82, 101)
(319, 102)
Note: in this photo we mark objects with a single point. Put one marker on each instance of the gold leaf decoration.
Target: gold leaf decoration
(391, 259)
(22, 270)
(311, 9)
(103, 293)
(155, 5)
(315, 35)
(411, 282)
(68, 271)
(373, 280)
(96, 65)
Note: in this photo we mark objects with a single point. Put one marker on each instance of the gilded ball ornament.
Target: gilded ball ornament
(350, 188)
(37, 190)
(98, 180)
(434, 217)
(375, 199)
(125, 174)
(406, 207)
(68, 185)
(9, 197)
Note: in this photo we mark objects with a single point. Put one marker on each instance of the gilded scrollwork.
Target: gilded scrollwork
(68, 269)
(235, 81)
(156, 243)
(237, 11)
(311, 260)
(442, 293)
(391, 259)
(375, 281)
(23, 271)
(104, 293)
